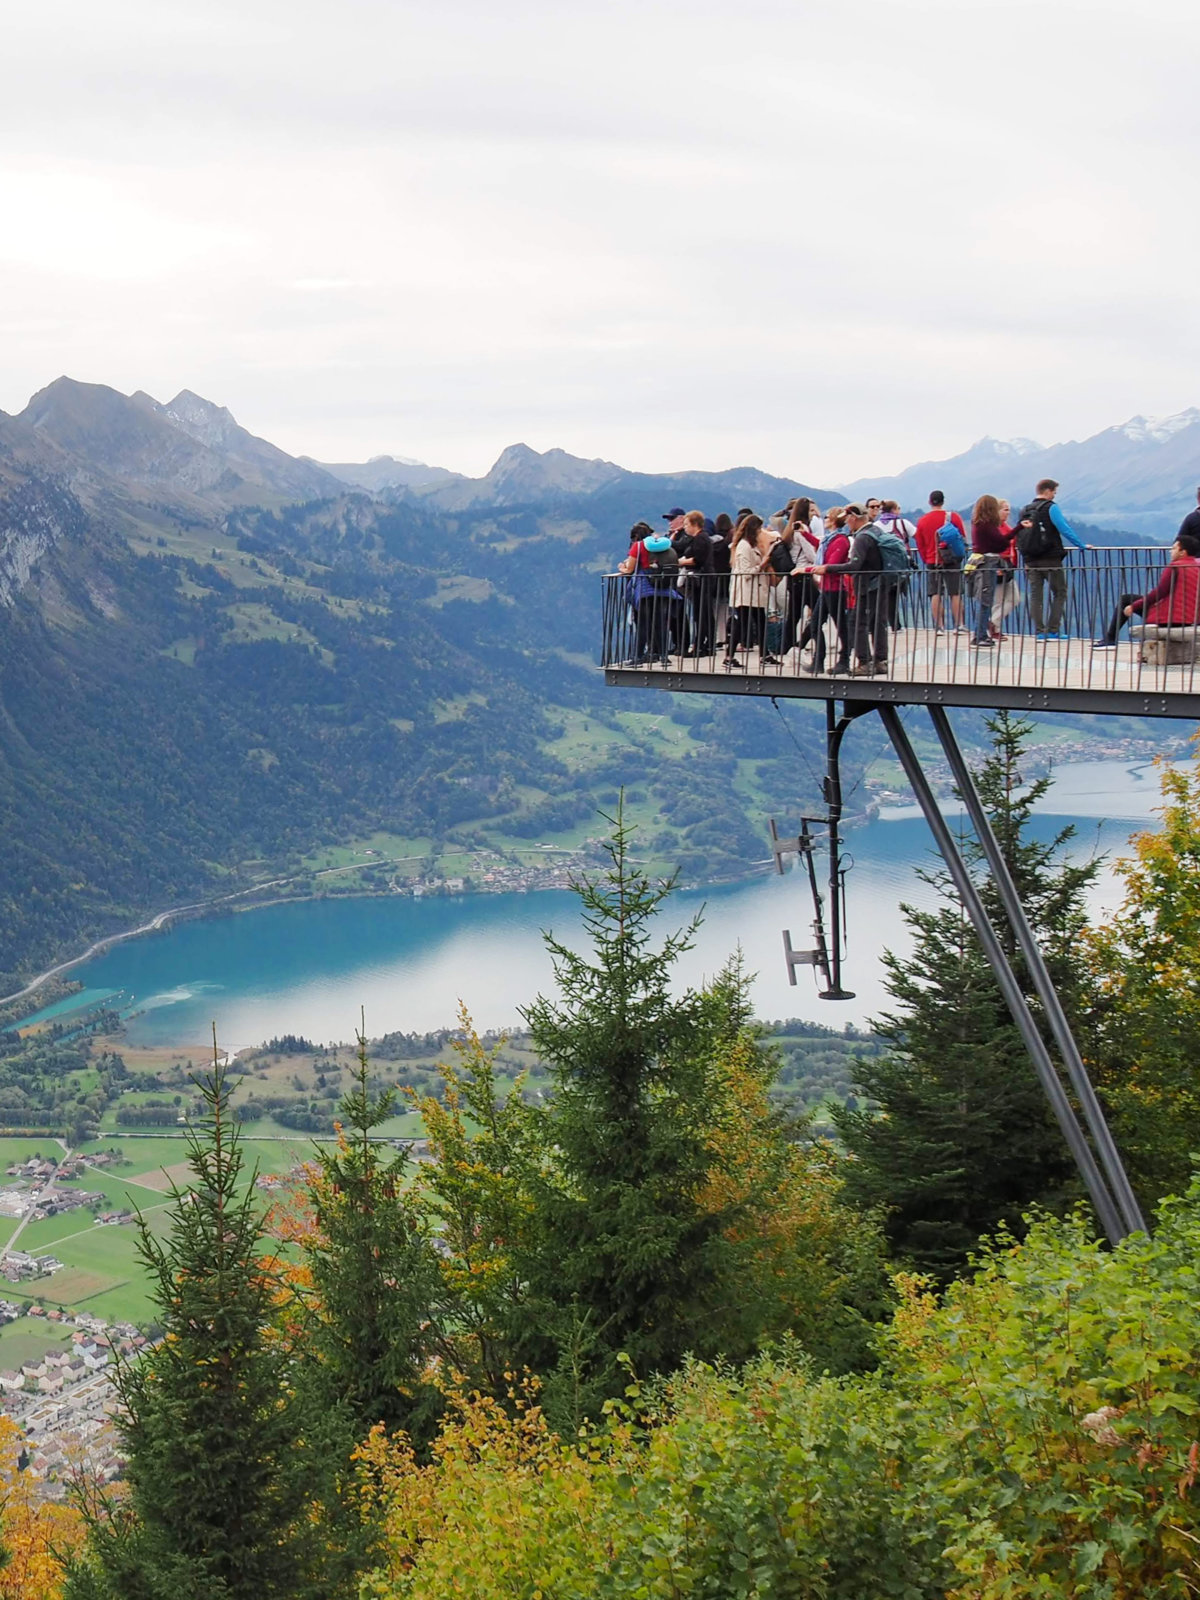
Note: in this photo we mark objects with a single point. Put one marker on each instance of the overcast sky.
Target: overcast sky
(824, 237)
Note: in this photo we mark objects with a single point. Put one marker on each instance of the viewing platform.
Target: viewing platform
(1152, 671)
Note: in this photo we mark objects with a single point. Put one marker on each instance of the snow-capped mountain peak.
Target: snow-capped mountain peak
(1159, 429)
(1008, 447)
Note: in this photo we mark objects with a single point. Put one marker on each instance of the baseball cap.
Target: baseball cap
(675, 511)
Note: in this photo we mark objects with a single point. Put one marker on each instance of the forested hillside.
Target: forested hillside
(204, 680)
(194, 694)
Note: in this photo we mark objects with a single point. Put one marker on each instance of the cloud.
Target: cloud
(826, 238)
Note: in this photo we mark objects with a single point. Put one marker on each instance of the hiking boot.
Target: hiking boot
(863, 669)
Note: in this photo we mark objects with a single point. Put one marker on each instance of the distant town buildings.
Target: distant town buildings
(64, 1402)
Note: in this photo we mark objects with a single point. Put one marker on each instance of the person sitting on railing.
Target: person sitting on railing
(865, 566)
(1173, 603)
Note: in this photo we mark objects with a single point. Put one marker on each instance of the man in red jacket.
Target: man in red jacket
(1173, 603)
(943, 560)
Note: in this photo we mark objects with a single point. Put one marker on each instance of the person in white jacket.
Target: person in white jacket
(749, 591)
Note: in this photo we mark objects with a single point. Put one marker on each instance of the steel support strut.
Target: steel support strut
(835, 732)
(1093, 1115)
(1102, 1199)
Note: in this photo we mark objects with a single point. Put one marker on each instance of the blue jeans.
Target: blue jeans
(985, 593)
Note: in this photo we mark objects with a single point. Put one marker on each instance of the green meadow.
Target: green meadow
(102, 1271)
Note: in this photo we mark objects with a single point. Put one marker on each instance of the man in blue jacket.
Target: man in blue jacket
(1041, 529)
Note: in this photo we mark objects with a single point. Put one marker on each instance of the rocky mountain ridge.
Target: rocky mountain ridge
(1140, 475)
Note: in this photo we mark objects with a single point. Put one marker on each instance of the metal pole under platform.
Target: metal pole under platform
(1107, 1211)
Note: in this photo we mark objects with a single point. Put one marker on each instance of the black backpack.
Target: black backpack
(1041, 538)
(662, 569)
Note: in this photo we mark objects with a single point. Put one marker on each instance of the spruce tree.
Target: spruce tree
(959, 1138)
(366, 1324)
(219, 1473)
(368, 1338)
(622, 1255)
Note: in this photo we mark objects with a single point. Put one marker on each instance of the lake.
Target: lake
(310, 967)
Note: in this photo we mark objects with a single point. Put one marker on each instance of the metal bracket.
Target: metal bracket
(799, 958)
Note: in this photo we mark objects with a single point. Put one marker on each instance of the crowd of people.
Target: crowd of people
(821, 582)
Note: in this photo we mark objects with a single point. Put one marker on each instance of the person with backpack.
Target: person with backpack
(653, 571)
(1041, 529)
(942, 547)
(890, 517)
(877, 564)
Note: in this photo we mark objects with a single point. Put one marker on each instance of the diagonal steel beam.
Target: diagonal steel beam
(1093, 1115)
(1102, 1199)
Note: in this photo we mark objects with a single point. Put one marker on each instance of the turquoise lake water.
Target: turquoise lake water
(309, 967)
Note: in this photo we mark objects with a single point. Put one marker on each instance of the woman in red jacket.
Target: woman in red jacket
(834, 595)
(1175, 600)
(990, 540)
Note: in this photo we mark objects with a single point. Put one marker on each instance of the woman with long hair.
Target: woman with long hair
(799, 587)
(990, 541)
(723, 528)
(835, 596)
(1008, 593)
(749, 591)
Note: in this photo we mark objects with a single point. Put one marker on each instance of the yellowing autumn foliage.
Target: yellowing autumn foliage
(807, 1265)
(33, 1531)
(1142, 1038)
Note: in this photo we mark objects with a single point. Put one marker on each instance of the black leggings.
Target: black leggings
(747, 625)
(830, 607)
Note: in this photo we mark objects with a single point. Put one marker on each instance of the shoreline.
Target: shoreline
(227, 903)
(222, 905)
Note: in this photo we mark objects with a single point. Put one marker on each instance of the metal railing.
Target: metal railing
(923, 627)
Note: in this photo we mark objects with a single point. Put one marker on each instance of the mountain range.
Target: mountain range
(1140, 476)
(217, 659)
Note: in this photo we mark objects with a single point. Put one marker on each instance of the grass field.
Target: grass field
(14, 1151)
(72, 1286)
(165, 1178)
(28, 1340)
(102, 1271)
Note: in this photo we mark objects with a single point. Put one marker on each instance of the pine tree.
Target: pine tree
(623, 1256)
(484, 1145)
(960, 1139)
(368, 1339)
(219, 1472)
